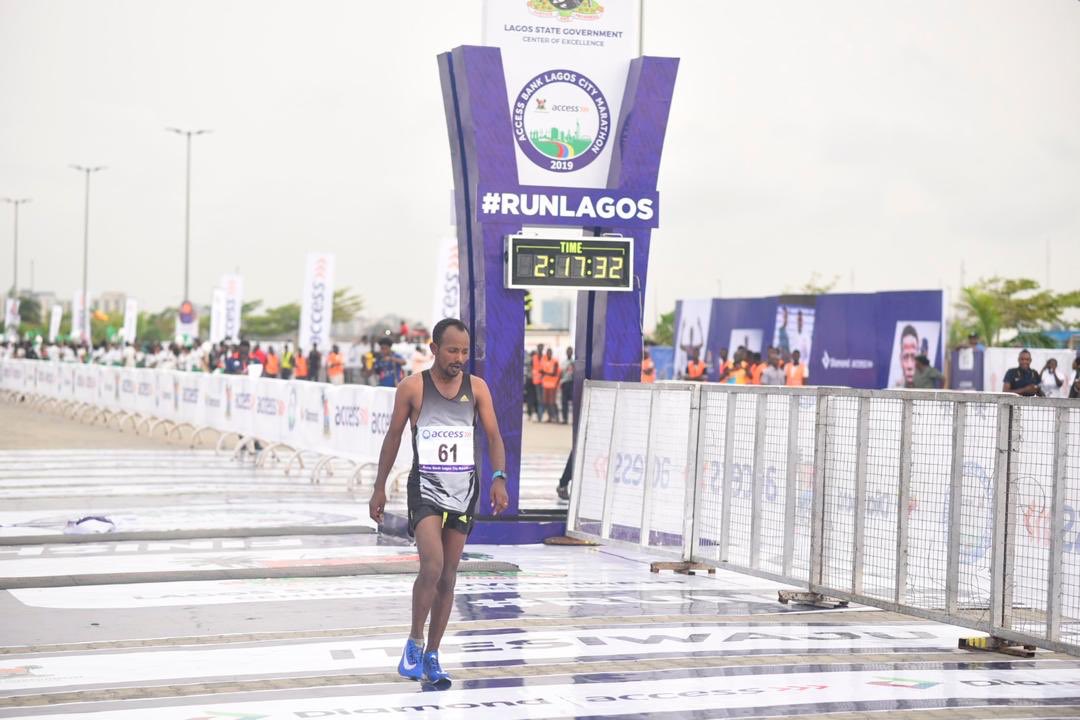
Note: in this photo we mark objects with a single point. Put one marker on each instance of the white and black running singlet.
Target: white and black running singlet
(444, 450)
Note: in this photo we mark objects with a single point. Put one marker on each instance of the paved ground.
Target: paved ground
(232, 592)
(28, 429)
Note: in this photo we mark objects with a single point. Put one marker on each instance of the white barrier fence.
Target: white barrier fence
(333, 421)
(957, 507)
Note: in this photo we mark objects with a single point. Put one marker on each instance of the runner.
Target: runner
(442, 406)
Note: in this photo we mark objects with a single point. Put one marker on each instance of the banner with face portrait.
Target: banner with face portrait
(691, 331)
(318, 302)
(863, 340)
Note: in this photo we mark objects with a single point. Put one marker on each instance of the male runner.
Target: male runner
(442, 406)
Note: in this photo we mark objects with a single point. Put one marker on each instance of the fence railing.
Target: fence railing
(329, 422)
(957, 507)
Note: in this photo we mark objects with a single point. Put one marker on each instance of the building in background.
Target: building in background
(555, 313)
(110, 303)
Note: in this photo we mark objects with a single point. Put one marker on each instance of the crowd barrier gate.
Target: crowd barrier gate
(961, 508)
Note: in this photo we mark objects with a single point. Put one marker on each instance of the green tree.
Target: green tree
(347, 305)
(29, 311)
(817, 285)
(664, 332)
(990, 307)
(281, 320)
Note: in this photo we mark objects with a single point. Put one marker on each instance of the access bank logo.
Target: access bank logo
(834, 363)
(427, 434)
(561, 120)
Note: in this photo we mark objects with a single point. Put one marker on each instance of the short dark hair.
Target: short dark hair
(385, 341)
(909, 330)
(1025, 350)
(441, 326)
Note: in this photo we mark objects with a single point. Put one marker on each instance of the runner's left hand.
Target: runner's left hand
(500, 500)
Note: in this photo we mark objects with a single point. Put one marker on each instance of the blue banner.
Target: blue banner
(862, 340)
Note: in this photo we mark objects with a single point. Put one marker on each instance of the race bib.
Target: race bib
(445, 448)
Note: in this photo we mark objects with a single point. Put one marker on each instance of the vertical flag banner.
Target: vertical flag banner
(131, 319)
(318, 305)
(80, 319)
(11, 316)
(566, 66)
(57, 313)
(233, 285)
(447, 286)
(217, 316)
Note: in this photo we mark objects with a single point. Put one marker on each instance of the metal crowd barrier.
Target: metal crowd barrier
(962, 508)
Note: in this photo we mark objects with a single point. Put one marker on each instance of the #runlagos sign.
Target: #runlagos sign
(318, 302)
(566, 63)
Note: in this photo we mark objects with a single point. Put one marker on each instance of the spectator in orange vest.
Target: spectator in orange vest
(270, 369)
(301, 366)
(740, 369)
(335, 367)
(695, 368)
(725, 366)
(757, 367)
(648, 368)
(537, 378)
(549, 370)
(795, 372)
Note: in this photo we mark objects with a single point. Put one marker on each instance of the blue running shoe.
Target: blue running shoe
(412, 661)
(433, 672)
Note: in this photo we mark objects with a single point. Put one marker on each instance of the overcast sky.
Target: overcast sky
(883, 142)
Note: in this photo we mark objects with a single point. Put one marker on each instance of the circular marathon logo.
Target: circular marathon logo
(561, 120)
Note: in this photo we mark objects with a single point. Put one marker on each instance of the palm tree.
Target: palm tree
(980, 313)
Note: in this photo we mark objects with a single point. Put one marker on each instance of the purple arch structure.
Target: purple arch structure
(609, 324)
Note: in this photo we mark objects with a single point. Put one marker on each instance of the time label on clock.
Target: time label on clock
(591, 263)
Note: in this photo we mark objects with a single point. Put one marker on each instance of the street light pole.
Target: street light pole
(188, 134)
(15, 266)
(87, 170)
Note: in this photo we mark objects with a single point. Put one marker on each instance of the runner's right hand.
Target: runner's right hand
(377, 504)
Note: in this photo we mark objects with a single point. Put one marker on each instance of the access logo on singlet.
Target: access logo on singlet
(561, 120)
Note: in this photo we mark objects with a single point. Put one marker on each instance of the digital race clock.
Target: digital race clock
(588, 263)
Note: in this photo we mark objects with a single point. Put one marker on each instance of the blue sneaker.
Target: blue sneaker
(412, 661)
(433, 672)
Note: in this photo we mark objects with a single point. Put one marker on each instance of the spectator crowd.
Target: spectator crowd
(743, 368)
(370, 361)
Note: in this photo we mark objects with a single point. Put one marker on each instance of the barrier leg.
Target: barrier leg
(196, 434)
(298, 456)
(225, 436)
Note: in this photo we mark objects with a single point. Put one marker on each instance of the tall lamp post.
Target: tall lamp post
(16, 202)
(87, 170)
(188, 134)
